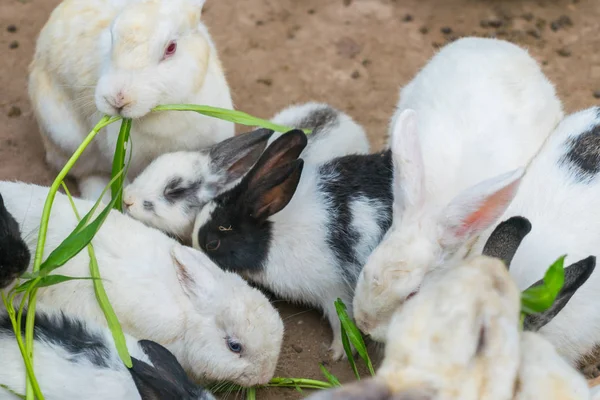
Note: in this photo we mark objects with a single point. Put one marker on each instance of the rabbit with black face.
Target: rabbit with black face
(14, 253)
(303, 231)
(124, 58)
(76, 359)
(171, 191)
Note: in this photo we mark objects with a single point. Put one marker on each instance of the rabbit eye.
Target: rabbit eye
(175, 193)
(171, 49)
(234, 345)
(213, 245)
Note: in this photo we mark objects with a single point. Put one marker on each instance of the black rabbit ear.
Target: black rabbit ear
(238, 154)
(271, 193)
(576, 275)
(504, 241)
(283, 150)
(165, 379)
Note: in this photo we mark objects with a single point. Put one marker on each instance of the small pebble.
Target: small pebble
(14, 111)
(311, 11)
(446, 30)
(491, 23)
(300, 322)
(564, 52)
(424, 30)
(265, 81)
(297, 348)
(355, 75)
(347, 2)
(540, 23)
(597, 94)
(260, 22)
(407, 18)
(14, 44)
(366, 62)
(527, 16)
(545, 62)
(11, 28)
(534, 33)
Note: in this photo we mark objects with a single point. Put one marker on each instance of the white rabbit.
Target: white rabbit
(124, 58)
(170, 192)
(76, 359)
(217, 326)
(483, 107)
(558, 194)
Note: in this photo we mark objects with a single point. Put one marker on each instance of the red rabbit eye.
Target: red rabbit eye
(171, 49)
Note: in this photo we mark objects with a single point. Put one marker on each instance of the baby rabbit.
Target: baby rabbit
(217, 326)
(302, 231)
(558, 195)
(76, 359)
(483, 107)
(124, 58)
(173, 188)
(14, 253)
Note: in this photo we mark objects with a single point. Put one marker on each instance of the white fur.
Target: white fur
(159, 289)
(338, 138)
(479, 108)
(100, 54)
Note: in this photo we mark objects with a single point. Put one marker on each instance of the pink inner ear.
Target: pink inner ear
(488, 211)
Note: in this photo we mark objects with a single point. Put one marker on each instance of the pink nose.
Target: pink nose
(119, 101)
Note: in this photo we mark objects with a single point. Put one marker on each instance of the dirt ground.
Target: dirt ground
(353, 54)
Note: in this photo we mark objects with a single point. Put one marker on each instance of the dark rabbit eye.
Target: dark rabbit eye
(234, 345)
(213, 245)
(175, 193)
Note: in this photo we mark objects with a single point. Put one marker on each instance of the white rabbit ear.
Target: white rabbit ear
(478, 207)
(195, 275)
(409, 170)
(198, 3)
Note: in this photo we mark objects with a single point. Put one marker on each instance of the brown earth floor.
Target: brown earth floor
(353, 54)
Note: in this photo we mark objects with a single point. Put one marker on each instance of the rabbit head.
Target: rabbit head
(157, 54)
(234, 333)
(172, 190)
(423, 235)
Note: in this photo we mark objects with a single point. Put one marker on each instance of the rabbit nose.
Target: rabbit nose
(127, 202)
(118, 102)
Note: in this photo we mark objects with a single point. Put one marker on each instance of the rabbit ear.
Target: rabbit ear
(195, 272)
(273, 191)
(576, 275)
(506, 238)
(409, 170)
(238, 154)
(283, 150)
(167, 366)
(478, 207)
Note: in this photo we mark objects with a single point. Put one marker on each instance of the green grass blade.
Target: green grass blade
(349, 353)
(81, 236)
(539, 298)
(238, 117)
(109, 313)
(47, 281)
(329, 376)
(251, 393)
(353, 334)
(119, 163)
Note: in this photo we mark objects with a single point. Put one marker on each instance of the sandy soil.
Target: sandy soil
(353, 54)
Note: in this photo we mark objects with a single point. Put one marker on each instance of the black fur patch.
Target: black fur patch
(319, 119)
(14, 253)
(583, 155)
(148, 205)
(356, 176)
(67, 333)
(243, 242)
